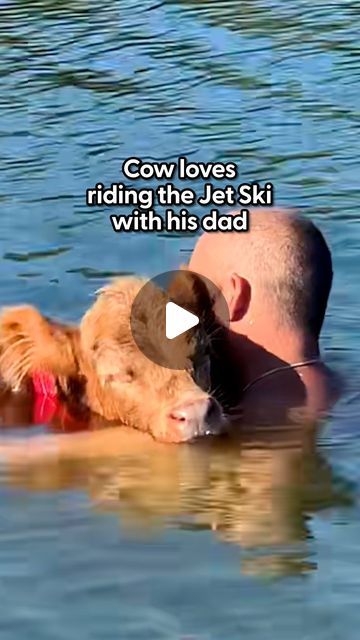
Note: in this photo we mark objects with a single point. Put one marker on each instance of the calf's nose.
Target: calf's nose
(194, 418)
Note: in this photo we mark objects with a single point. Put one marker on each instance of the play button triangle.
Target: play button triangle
(178, 320)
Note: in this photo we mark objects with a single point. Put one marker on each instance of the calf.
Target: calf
(99, 363)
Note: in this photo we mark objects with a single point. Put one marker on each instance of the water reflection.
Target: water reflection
(259, 492)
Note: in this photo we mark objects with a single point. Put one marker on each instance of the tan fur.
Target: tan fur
(120, 382)
(29, 342)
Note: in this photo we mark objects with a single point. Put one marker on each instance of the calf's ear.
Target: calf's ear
(31, 343)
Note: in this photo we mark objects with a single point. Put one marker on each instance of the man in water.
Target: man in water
(276, 279)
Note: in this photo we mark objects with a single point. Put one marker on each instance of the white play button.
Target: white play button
(178, 320)
(172, 315)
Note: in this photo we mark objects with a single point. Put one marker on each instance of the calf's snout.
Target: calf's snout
(194, 418)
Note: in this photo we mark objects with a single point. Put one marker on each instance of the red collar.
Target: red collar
(48, 408)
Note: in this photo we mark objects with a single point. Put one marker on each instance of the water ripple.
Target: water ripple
(273, 86)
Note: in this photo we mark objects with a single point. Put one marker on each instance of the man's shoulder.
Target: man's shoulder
(282, 401)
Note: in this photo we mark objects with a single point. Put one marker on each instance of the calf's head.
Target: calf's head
(122, 383)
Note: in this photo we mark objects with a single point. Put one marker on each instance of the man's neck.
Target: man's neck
(259, 357)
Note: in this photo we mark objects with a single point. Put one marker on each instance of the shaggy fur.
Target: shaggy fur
(99, 362)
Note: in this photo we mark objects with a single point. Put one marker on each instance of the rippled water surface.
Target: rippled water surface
(188, 542)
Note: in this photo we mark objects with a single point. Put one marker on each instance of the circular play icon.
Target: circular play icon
(173, 319)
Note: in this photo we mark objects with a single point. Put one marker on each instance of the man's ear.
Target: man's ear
(31, 343)
(237, 292)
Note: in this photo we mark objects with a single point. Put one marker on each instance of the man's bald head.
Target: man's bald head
(285, 259)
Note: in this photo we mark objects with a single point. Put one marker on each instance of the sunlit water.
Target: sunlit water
(181, 542)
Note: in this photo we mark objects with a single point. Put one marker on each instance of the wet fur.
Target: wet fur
(99, 362)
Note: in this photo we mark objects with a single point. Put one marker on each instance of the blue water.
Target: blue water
(186, 542)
